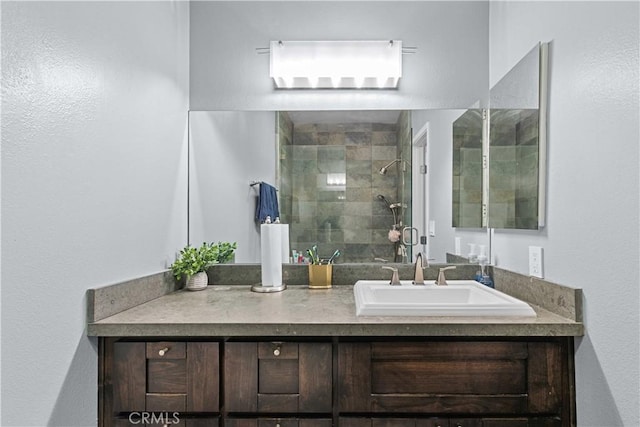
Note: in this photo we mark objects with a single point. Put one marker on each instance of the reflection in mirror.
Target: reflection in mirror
(227, 151)
(345, 182)
(517, 141)
(513, 169)
(230, 149)
(467, 170)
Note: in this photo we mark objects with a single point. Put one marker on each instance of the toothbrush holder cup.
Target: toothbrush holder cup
(320, 276)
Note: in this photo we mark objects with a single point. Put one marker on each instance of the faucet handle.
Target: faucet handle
(395, 280)
(442, 281)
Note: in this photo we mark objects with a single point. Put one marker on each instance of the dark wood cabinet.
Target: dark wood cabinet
(450, 378)
(348, 382)
(164, 376)
(278, 422)
(269, 377)
(165, 420)
(448, 422)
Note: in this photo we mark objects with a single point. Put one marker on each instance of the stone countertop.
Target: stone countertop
(235, 311)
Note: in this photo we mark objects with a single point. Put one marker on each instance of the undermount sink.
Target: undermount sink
(458, 298)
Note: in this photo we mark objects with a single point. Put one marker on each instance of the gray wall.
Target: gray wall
(94, 93)
(450, 69)
(591, 237)
(229, 149)
(94, 126)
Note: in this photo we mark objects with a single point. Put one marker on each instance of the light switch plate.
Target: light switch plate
(535, 262)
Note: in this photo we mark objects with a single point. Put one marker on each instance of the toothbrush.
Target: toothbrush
(335, 255)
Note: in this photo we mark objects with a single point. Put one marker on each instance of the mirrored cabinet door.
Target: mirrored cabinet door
(467, 170)
(499, 154)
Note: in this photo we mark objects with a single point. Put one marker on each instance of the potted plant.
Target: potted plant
(193, 262)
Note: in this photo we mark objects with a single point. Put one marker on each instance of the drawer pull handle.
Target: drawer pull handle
(163, 351)
(276, 352)
(278, 424)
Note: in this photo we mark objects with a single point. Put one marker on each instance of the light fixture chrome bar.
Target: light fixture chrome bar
(336, 64)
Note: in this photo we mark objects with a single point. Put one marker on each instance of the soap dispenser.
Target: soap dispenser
(472, 253)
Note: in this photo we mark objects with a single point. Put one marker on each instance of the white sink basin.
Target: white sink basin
(458, 298)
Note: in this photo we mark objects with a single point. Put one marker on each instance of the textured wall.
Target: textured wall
(94, 125)
(450, 69)
(229, 149)
(591, 237)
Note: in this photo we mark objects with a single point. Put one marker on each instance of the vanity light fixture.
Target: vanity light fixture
(336, 64)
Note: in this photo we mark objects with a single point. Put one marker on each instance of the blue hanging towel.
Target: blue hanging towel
(267, 203)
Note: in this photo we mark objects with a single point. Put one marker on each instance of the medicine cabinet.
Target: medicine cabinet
(499, 153)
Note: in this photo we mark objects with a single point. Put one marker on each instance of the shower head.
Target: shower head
(381, 197)
(383, 170)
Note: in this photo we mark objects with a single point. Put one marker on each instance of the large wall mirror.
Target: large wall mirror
(345, 180)
(499, 160)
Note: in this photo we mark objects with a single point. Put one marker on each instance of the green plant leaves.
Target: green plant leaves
(194, 260)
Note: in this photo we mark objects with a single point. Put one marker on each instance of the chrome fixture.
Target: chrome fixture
(442, 281)
(372, 64)
(418, 275)
(395, 280)
(383, 170)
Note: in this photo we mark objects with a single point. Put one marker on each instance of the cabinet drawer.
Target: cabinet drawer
(449, 377)
(165, 376)
(164, 419)
(166, 350)
(272, 377)
(394, 422)
(277, 422)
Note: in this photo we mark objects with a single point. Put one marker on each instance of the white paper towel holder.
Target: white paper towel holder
(268, 289)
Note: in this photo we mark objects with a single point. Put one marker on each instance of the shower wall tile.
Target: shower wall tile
(357, 138)
(383, 152)
(331, 196)
(359, 181)
(383, 127)
(350, 218)
(384, 138)
(330, 138)
(358, 153)
(358, 236)
(359, 167)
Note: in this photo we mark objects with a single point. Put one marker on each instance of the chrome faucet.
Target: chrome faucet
(395, 280)
(418, 275)
(442, 281)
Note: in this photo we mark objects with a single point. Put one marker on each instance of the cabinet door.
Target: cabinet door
(278, 377)
(165, 377)
(433, 377)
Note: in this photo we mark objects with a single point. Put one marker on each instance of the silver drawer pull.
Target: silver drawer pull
(163, 351)
(276, 352)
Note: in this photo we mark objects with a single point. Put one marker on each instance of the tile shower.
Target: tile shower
(329, 185)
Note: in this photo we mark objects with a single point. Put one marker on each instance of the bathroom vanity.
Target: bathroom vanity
(229, 357)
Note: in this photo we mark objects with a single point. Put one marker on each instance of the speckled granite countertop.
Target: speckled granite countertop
(235, 311)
